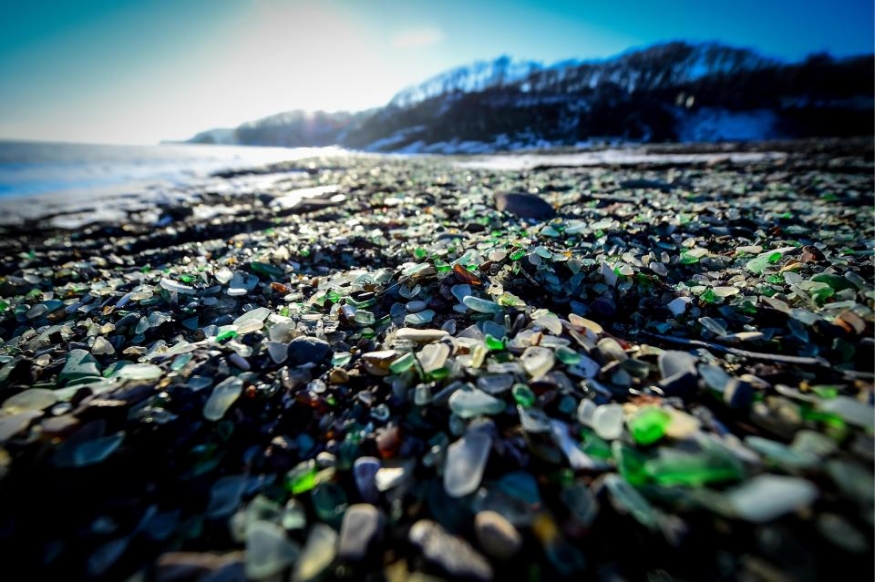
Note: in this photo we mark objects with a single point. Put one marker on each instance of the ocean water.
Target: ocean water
(31, 168)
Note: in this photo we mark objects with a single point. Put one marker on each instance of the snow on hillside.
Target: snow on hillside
(662, 65)
(477, 76)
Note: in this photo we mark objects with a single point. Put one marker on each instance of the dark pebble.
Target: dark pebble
(306, 350)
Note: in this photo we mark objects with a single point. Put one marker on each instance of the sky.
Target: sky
(142, 71)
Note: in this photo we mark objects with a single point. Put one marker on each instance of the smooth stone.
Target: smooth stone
(495, 384)
(497, 536)
(534, 420)
(317, 555)
(452, 554)
(142, 326)
(268, 551)
(766, 497)
(549, 322)
(361, 529)
(524, 205)
(258, 314)
(465, 461)
(338, 376)
(282, 332)
(249, 326)
(611, 350)
(607, 421)
(29, 399)
(713, 326)
(242, 283)
(278, 351)
(223, 276)
(481, 305)
(468, 403)
(585, 324)
(365, 473)
(420, 335)
(679, 374)
(461, 291)
(674, 362)
(393, 476)
(140, 372)
(659, 268)
(80, 364)
(36, 311)
(537, 361)
(678, 306)
(14, 424)
(102, 347)
(306, 350)
(419, 318)
(325, 460)
(433, 356)
(224, 395)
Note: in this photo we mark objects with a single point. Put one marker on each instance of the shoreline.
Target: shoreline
(75, 207)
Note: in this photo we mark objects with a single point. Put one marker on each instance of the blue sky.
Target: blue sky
(138, 71)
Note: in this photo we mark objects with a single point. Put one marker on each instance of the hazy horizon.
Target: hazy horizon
(140, 73)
